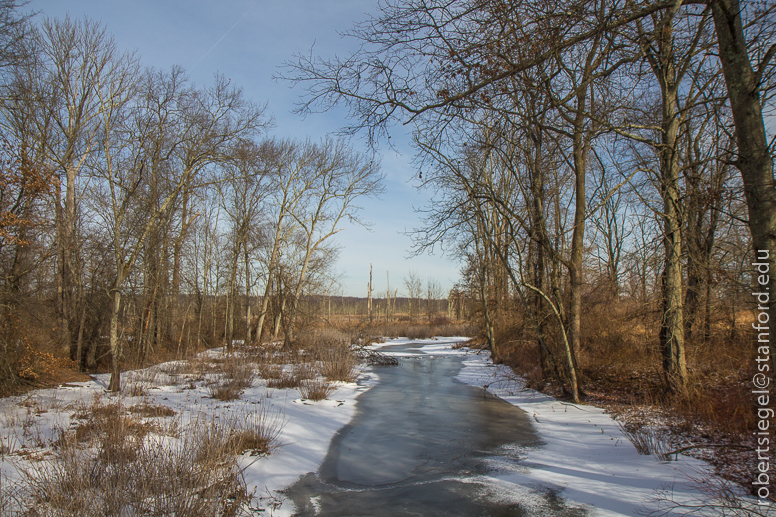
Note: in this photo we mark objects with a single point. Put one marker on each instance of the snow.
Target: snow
(584, 458)
(29, 424)
(309, 428)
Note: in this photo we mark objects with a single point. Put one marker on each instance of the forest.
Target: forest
(139, 210)
(602, 170)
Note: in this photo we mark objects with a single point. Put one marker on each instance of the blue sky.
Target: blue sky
(246, 40)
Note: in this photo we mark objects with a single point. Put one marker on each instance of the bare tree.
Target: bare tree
(242, 193)
(73, 57)
(414, 286)
(433, 62)
(335, 178)
(434, 293)
(284, 162)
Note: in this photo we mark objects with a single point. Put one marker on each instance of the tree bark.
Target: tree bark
(754, 159)
(115, 351)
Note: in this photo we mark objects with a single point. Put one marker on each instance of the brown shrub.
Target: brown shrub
(270, 371)
(257, 432)
(236, 375)
(238, 371)
(189, 477)
(322, 337)
(290, 378)
(338, 364)
(28, 355)
(150, 410)
(116, 435)
(316, 389)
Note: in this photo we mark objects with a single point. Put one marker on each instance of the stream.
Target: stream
(423, 444)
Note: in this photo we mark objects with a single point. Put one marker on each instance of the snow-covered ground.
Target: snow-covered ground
(585, 459)
(30, 424)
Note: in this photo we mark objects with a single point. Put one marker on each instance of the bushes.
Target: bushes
(318, 352)
(290, 377)
(179, 478)
(316, 389)
(116, 462)
(26, 356)
(236, 375)
(439, 327)
(257, 432)
(338, 364)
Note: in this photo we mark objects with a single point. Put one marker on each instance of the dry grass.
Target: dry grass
(257, 432)
(224, 391)
(323, 338)
(157, 480)
(6, 500)
(712, 495)
(235, 376)
(284, 381)
(236, 369)
(291, 377)
(270, 371)
(620, 368)
(438, 328)
(110, 429)
(114, 463)
(338, 364)
(647, 440)
(316, 389)
(145, 409)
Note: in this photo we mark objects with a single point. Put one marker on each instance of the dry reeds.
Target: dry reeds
(438, 328)
(338, 364)
(257, 432)
(647, 441)
(168, 479)
(316, 389)
(115, 464)
(236, 376)
(151, 410)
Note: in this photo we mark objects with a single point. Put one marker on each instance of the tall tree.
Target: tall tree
(74, 57)
(335, 179)
(430, 62)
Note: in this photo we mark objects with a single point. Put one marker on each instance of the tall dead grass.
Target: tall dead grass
(316, 389)
(438, 328)
(236, 375)
(160, 478)
(115, 463)
(338, 364)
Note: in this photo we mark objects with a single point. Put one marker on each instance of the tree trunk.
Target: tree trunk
(754, 158)
(576, 280)
(231, 298)
(115, 350)
(672, 324)
(79, 343)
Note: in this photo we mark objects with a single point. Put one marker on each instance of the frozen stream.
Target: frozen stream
(421, 443)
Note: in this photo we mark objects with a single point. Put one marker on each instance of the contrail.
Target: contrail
(225, 35)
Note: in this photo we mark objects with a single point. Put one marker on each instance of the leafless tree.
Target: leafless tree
(432, 63)
(335, 178)
(414, 286)
(242, 193)
(72, 58)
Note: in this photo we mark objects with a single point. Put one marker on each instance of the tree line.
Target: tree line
(578, 149)
(140, 211)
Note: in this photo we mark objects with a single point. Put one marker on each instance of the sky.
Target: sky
(246, 41)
